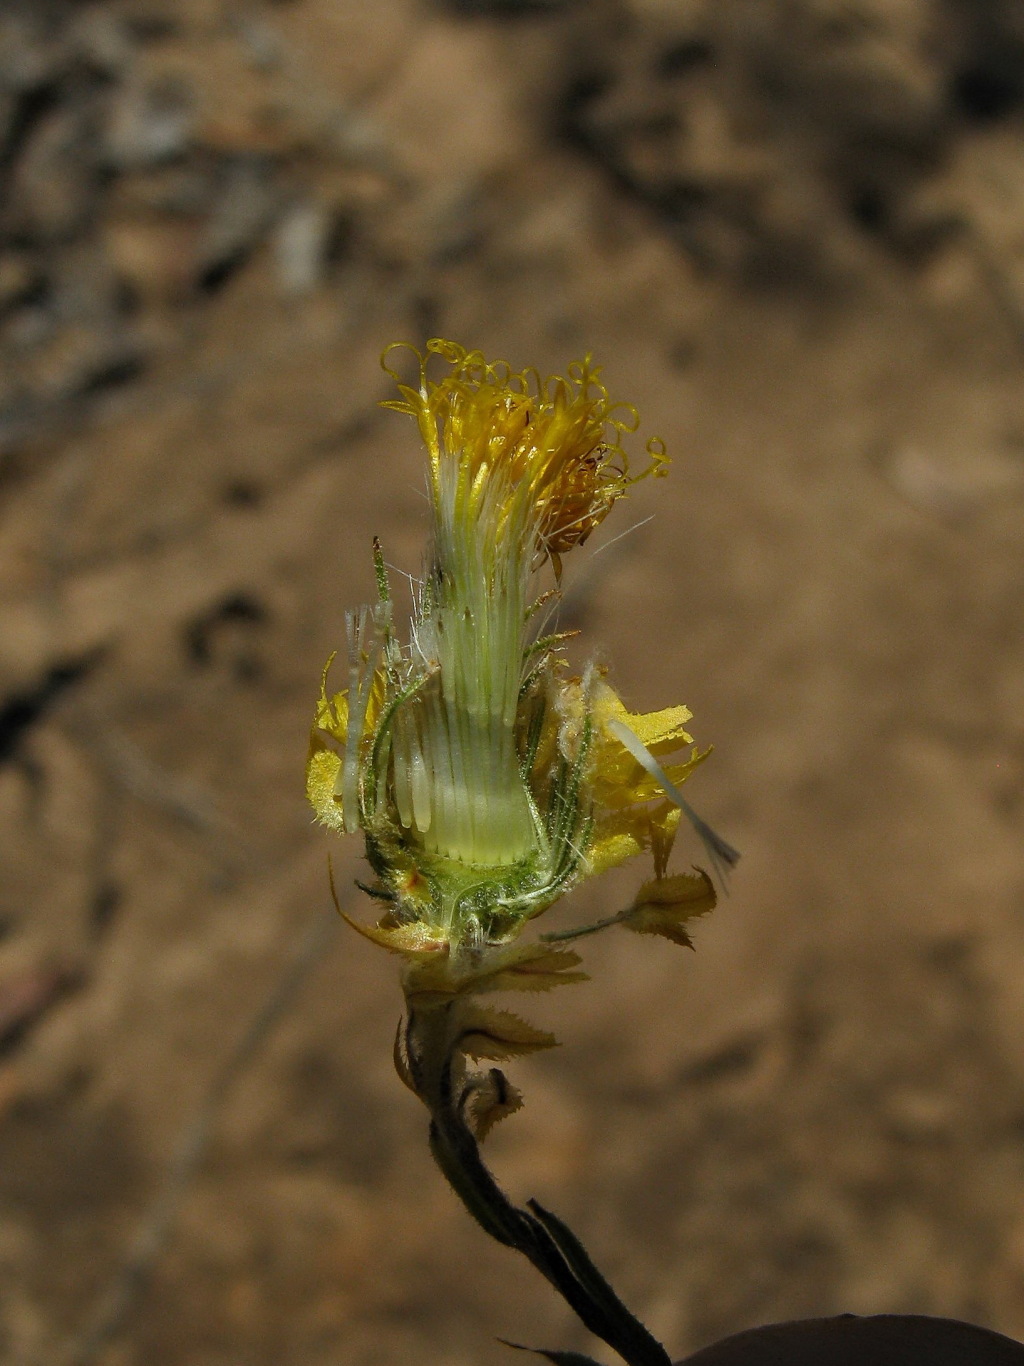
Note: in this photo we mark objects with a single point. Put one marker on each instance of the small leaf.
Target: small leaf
(498, 1035)
(401, 1058)
(513, 967)
(548, 643)
(664, 905)
(533, 967)
(488, 1098)
(412, 940)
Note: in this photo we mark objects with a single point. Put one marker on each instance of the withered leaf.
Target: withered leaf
(489, 1097)
(664, 905)
(498, 1035)
(534, 967)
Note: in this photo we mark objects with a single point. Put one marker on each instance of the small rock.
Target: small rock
(29, 328)
(261, 42)
(953, 484)
(18, 277)
(152, 23)
(27, 996)
(53, 184)
(82, 359)
(183, 189)
(150, 125)
(243, 209)
(153, 255)
(32, 52)
(102, 40)
(920, 1116)
(301, 247)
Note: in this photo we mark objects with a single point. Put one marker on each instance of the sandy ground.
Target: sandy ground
(792, 236)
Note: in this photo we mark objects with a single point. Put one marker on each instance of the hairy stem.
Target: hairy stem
(539, 1235)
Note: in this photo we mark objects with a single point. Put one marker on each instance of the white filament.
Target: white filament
(722, 855)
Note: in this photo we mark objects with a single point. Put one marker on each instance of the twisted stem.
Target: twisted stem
(538, 1234)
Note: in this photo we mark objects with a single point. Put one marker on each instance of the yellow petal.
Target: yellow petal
(661, 731)
(623, 833)
(332, 712)
(322, 769)
(641, 786)
(618, 779)
(323, 765)
(332, 716)
(610, 849)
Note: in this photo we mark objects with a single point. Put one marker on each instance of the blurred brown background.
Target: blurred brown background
(793, 233)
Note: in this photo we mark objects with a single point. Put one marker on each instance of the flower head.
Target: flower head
(486, 780)
(544, 457)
